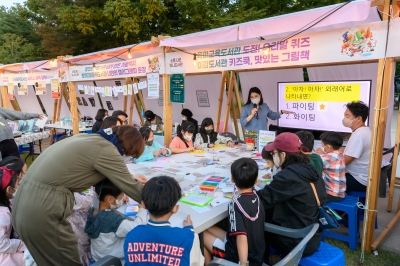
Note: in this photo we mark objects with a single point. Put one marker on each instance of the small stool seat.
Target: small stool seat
(361, 195)
(348, 205)
(326, 255)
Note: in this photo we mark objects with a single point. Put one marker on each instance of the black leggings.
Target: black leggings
(353, 185)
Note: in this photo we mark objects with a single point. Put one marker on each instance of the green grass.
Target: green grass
(384, 258)
(352, 257)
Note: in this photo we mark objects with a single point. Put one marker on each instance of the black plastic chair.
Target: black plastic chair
(386, 173)
(291, 259)
(108, 261)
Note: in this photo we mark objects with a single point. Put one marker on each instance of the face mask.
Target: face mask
(187, 137)
(149, 143)
(183, 118)
(14, 194)
(277, 160)
(347, 122)
(256, 101)
(209, 131)
(119, 204)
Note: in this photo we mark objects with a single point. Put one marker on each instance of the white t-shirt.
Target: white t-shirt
(358, 148)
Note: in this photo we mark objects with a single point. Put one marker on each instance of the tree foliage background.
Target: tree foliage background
(44, 29)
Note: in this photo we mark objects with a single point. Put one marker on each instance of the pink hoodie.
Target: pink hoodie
(11, 250)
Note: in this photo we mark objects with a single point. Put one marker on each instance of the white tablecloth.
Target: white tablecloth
(81, 129)
(190, 170)
(25, 139)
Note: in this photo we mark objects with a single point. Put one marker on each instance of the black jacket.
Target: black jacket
(294, 202)
(96, 126)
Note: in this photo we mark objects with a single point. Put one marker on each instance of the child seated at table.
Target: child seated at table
(183, 141)
(334, 173)
(152, 149)
(11, 248)
(107, 228)
(244, 240)
(207, 137)
(270, 163)
(157, 243)
(307, 139)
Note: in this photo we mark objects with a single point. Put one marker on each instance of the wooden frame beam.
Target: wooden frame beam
(4, 96)
(73, 107)
(384, 80)
(220, 99)
(228, 102)
(167, 110)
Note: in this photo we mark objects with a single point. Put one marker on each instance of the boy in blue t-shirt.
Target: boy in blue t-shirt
(157, 243)
(244, 240)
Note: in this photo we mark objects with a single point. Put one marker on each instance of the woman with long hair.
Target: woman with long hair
(207, 137)
(255, 112)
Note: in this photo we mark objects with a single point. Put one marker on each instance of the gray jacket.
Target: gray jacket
(5, 129)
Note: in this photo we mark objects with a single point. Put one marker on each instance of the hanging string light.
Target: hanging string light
(129, 53)
(267, 50)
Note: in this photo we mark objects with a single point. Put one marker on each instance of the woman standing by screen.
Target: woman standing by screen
(255, 112)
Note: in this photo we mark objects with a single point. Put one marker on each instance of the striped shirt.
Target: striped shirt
(334, 173)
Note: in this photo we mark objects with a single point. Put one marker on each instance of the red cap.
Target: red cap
(6, 177)
(287, 142)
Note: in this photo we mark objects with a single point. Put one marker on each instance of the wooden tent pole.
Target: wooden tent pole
(63, 88)
(394, 164)
(125, 104)
(74, 107)
(397, 141)
(135, 99)
(4, 96)
(228, 102)
(238, 101)
(220, 100)
(167, 110)
(132, 103)
(384, 80)
(233, 115)
(140, 93)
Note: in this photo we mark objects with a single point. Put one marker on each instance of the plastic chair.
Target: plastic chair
(360, 213)
(326, 255)
(108, 261)
(291, 259)
(348, 205)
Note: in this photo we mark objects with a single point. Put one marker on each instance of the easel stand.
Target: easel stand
(232, 101)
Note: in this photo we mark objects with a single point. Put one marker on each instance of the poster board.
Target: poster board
(264, 137)
(320, 105)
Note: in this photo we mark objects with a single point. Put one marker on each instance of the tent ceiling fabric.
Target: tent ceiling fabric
(356, 72)
(137, 51)
(355, 13)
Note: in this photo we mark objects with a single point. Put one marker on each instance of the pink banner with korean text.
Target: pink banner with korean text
(138, 67)
(29, 78)
(364, 42)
